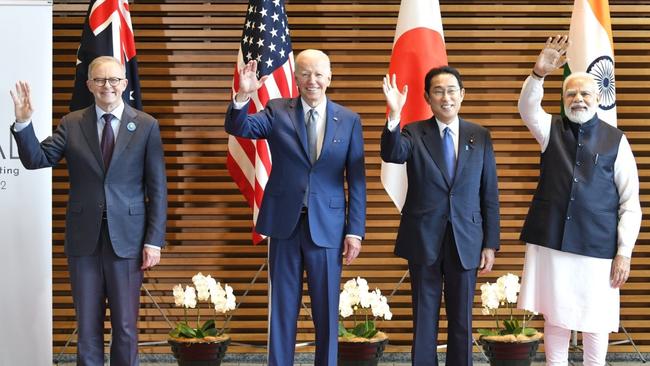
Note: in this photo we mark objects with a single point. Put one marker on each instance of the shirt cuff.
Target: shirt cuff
(19, 126)
(393, 124)
(152, 246)
(354, 236)
(239, 105)
(625, 251)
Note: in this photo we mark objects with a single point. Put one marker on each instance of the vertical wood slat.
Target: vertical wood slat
(186, 52)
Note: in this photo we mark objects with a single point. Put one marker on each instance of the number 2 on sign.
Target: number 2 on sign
(3, 185)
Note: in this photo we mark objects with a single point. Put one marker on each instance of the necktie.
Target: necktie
(108, 140)
(312, 135)
(449, 152)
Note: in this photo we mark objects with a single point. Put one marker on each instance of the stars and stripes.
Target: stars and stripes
(265, 38)
(107, 31)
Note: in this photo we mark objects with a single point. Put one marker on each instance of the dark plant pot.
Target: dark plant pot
(509, 354)
(199, 353)
(361, 353)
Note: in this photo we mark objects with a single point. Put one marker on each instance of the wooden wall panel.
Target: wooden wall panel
(187, 50)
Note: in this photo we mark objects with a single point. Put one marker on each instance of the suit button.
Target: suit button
(578, 163)
(568, 217)
(573, 198)
(101, 205)
(580, 144)
(575, 180)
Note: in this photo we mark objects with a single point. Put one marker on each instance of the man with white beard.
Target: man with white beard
(584, 218)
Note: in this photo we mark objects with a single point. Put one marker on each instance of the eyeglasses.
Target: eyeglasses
(111, 81)
(452, 92)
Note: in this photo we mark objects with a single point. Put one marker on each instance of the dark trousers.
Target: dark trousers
(97, 279)
(288, 258)
(427, 285)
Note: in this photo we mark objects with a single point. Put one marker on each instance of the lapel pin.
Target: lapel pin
(466, 147)
(471, 139)
(131, 126)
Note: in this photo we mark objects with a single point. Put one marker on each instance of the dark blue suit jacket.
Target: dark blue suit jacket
(133, 191)
(341, 159)
(470, 202)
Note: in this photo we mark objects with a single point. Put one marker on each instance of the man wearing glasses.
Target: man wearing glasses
(115, 221)
(450, 221)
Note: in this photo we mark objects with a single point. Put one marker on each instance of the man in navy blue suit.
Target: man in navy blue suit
(317, 146)
(450, 220)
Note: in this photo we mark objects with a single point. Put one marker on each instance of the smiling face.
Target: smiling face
(313, 76)
(580, 99)
(107, 97)
(445, 97)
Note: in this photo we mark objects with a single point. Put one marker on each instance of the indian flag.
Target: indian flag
(592, 51)
(418, 47)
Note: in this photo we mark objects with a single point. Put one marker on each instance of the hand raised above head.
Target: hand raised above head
(552, 56)
(248, 82)
(22, 102)
(394, 98)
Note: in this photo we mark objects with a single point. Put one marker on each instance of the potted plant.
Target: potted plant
(514, 344)
(363, 344)
(195, 343)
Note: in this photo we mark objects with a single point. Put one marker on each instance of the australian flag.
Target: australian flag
(107, 32)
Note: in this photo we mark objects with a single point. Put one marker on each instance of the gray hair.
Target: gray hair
(581, 75)
(104, 60)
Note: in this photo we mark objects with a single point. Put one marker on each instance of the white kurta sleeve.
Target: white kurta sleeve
(629, 206)
(532, 113)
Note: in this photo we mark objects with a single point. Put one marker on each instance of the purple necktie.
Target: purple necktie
(108, 140)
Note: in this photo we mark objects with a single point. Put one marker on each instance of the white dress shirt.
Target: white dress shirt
(454, 127)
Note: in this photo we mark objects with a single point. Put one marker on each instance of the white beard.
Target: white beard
(579, 117)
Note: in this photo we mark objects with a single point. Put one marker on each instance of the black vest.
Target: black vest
(575, 207)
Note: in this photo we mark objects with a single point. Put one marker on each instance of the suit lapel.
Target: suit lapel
(432, 141)
(89, 129)
(465, 145)
(297, 116)
(332, 125)
(128, 127)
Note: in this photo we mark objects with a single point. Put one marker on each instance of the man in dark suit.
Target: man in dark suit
(450, 220)
(316, 146)
(116, 216)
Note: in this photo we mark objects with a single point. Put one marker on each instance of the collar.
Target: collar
(321, 108)
(117, 112)
(454, 126)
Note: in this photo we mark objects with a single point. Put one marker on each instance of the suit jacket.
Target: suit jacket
(341, 159)
(133, 191)
(470, 202)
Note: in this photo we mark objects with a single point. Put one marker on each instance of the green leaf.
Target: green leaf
(488, 332)
(209, 324)
(186, 331)
(212, 332)
(365, 330)
(529, 332)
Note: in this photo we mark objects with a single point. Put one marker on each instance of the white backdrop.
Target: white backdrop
(25, 196)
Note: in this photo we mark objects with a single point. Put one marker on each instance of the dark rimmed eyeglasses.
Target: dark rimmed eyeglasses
(111, 81)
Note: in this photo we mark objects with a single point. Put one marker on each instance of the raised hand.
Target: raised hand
(22, 102)
(553, 55)
(248, 83)
(394, 99)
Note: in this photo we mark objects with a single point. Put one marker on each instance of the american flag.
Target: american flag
(265, 38)
(107, 31)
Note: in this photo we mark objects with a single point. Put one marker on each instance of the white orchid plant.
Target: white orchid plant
(355, 298)
(206, 289)
(504, 293)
